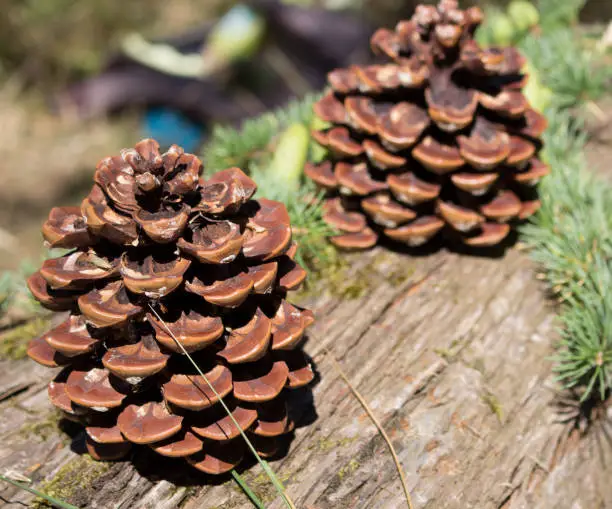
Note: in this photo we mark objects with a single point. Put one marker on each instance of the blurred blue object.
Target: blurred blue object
(170, 126)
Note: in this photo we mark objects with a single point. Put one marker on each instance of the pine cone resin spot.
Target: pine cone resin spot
(425, 141)
(164, 262)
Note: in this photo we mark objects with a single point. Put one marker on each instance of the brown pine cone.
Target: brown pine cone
(160, 256)
(439, 139)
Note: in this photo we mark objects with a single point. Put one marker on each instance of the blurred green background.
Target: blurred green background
(50, 42)
(47, 158)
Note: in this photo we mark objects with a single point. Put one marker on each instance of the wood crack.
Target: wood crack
(399, 344)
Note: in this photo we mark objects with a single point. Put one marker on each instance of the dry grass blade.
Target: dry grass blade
(273, 479)
(378, 425)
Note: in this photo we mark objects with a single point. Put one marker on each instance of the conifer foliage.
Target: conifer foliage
(161, 262)
(438, 138)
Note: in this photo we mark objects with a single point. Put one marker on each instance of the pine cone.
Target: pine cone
(161, 256)
(441, 139)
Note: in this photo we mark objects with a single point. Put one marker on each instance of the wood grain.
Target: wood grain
(452, 354)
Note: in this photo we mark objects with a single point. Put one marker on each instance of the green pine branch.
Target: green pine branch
(570, 236)
(14, 293)
(254, 140)
(571, 239)
(566, 66)
(273, 149)
(7, 291)
(559, 14)
(547, 32)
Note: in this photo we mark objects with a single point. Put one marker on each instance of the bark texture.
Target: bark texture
(450, 351)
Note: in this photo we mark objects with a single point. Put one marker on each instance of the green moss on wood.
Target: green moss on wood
(327, 444)
(261, 485)
(392, 268)
(77, 475)
(42, 427)
(353, 288)
(494, 404)
(343, 281)
(190, 492)
(479, 365)
(337, 278)
(348, 469)
(14, 342)
(450, 354)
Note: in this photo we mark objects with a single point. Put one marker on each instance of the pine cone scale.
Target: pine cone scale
(438, 112)
(165, 262)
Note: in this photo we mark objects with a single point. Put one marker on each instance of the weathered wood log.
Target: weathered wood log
(451, 352)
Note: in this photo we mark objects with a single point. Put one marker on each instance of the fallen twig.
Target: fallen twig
(378, 425)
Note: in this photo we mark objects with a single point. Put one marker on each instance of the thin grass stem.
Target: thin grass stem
(275, 481)
(378, 425)
(248, 491)
(56, 502)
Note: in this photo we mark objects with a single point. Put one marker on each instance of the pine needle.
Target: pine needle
(572, 72)
(377, 423)
(266, 468)
(570, 239)
(570, 235)
(34, 491)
